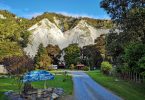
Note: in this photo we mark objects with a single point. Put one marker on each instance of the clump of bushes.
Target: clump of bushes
(86, 68)
(72, 66)
(106, 67)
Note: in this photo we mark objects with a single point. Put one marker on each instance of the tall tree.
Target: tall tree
(72, 54)
(53, 52)
(18, 64)
(129, 15)
(132, 55)
(42, 60)
(91, 56)
(100, 45)
(129, 19)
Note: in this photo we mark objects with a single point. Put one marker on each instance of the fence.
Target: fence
(131, 76)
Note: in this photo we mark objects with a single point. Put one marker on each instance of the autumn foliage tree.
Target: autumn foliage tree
(42, 60)
(18, 64)
(53, 52)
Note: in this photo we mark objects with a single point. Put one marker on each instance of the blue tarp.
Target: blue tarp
(37, 75)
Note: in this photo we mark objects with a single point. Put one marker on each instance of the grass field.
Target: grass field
(124, 89)
(7, 84)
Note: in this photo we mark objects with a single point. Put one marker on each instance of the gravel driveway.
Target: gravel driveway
(87, 89)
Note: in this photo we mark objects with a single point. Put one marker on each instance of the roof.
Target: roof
(81, 65)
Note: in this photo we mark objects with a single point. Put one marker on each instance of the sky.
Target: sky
(76, 8)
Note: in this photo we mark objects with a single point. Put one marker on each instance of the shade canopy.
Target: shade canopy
(37, 75)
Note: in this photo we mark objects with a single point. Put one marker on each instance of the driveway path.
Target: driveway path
(86, 88)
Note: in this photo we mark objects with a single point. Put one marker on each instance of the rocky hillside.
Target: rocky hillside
(46, 33)
(66, 22)
(83, 34)
(49, 28)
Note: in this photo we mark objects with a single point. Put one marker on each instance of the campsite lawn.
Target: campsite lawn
(7, 84)
(124, 89)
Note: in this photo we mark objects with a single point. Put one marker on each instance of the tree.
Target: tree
(53, 52)
(129, 19)
(18, 64)
(115, 46)
(72, 54)
(128, 15)
(133, 56)
(141, 63)
(42, 60)
(100, 44)
(91, 56)
(24, 38)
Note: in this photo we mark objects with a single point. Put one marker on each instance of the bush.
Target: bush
(134, 57)
(86, 68)
(106, 67)
(72, 66)
(141, 64)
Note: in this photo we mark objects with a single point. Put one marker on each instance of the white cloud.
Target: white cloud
(75, 15)
(83, 15)
(35, 14)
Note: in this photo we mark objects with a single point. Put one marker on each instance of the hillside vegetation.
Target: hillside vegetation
(67, 22)
(14, 35)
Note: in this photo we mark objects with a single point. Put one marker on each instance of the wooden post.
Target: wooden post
(133, 76)
(139, 78)
(136, 77)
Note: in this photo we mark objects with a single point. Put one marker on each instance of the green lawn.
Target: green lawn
(8, 84)
(126, 90)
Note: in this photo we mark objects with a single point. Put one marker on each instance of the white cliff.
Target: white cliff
(83, 34)
(46, 33)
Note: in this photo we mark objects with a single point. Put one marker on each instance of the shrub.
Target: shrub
(86, 68)
(72, 66)
(106, 67)
(134, 57)
(141, 64)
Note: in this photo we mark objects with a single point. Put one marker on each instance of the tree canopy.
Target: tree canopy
(42, 60)
(125, 43)
(72, 54)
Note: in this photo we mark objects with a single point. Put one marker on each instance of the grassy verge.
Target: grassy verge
(126, 90)
(7, 84)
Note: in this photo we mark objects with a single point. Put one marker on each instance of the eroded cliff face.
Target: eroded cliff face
(83, 34)
(48, 28)
(2, 16)
(46, 32)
